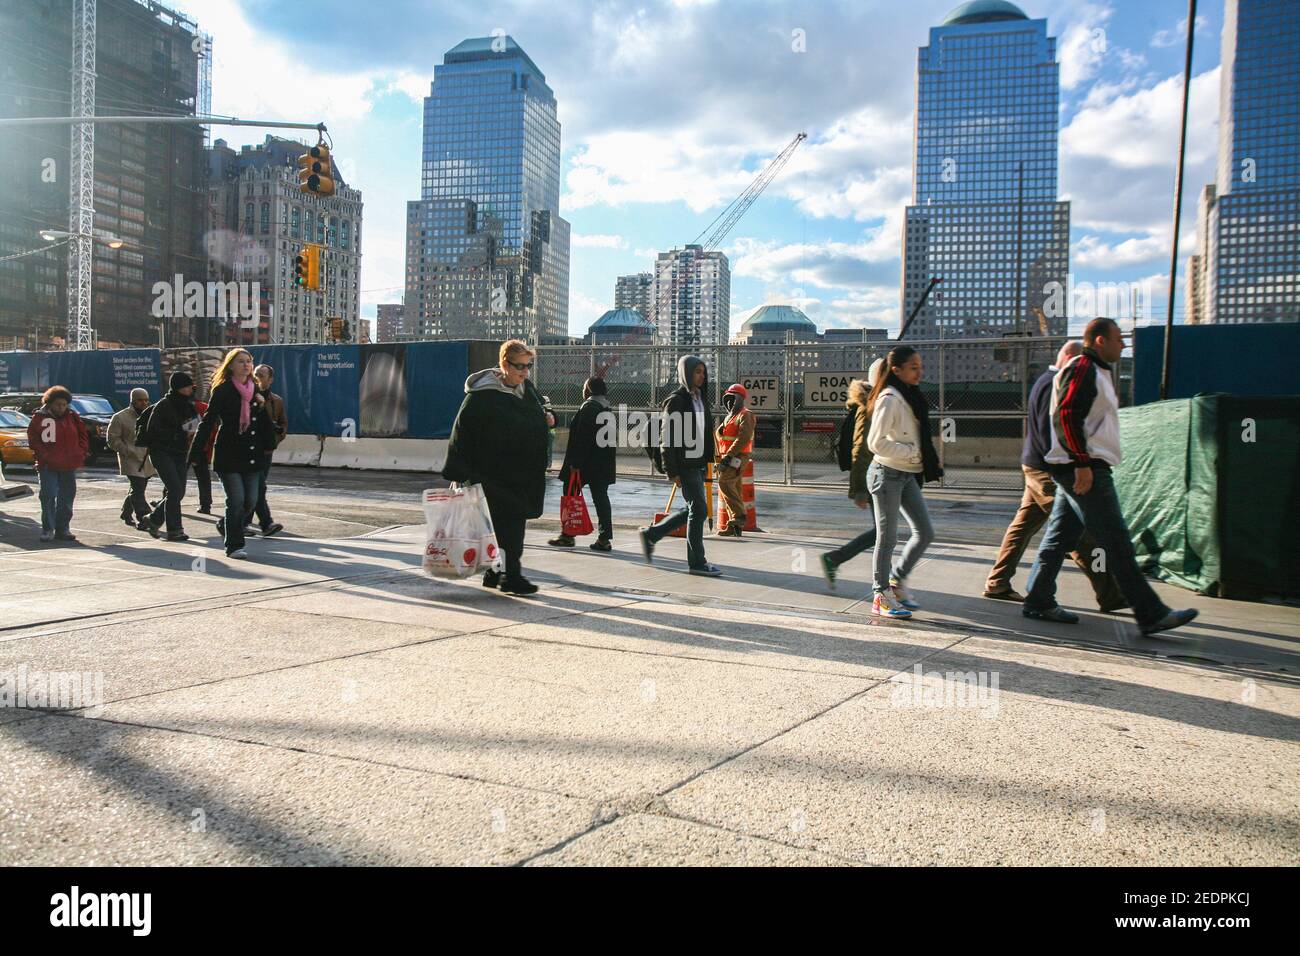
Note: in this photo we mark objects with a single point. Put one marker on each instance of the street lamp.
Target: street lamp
(102, 235)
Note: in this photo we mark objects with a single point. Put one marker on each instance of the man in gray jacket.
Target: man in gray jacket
(133, 461)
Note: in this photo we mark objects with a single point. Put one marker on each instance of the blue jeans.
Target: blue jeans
(241, 497)
(893, 491)
(172, 471)
(1099, 512)
(58, 489)
(259, 507)
(697, 506)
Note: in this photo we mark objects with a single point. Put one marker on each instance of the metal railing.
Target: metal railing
(977, 388)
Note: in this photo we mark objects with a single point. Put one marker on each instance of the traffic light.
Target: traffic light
(306, 268)
(315, 172)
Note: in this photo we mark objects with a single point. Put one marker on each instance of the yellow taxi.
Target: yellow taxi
(14, 449)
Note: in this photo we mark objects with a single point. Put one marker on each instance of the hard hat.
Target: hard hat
(738, 389)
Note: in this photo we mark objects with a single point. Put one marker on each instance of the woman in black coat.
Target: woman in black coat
(245, 435)
(499, 442)
(594, 459)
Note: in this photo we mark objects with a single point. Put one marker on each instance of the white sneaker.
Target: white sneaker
(886, 605)
(904, 596)
(239, 554)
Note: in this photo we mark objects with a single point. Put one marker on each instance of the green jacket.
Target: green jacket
(499, 441)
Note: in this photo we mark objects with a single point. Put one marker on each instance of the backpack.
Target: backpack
(844, 444)
(142, 426)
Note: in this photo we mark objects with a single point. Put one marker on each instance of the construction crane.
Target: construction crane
(716, 231)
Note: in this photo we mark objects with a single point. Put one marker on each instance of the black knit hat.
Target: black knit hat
(178, 381)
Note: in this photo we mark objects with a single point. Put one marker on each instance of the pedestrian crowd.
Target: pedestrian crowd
(503, 439)
(234, 434)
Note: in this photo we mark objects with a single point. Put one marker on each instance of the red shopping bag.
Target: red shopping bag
(574, 519)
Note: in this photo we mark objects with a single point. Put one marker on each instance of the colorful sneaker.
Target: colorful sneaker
(904, 596)
(829, 571)
(886, 605)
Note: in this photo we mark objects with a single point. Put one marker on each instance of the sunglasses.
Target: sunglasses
(516, 365)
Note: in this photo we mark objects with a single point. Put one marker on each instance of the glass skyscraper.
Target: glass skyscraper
(1247, 266)
(487, 251)
(986, 109)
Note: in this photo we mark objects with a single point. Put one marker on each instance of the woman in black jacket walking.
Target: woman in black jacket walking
(245, 435)
(499, 441)
(593, 460)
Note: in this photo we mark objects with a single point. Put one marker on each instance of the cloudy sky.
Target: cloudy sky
(669, 109)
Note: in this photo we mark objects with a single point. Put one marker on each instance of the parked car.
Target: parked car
(95, 410)
(14, 448)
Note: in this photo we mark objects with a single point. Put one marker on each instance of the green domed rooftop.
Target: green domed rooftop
(983, 11)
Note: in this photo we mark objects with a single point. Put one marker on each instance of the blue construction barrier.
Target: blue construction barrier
(1248, 360)
(403, 390)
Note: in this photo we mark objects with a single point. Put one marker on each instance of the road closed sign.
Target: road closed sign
(828, 389)
(764, 392)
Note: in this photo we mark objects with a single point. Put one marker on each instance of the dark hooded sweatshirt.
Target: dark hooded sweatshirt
(680, 439)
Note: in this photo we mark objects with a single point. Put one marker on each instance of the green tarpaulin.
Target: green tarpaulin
(1211, 492)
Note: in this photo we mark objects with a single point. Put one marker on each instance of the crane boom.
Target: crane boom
(716, 231)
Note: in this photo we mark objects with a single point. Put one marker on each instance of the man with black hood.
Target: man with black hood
(686, 445)
(172, 424)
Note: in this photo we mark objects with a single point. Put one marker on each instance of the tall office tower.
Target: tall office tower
(1247, 262)
(259, 220)
(984, 215)
(691, 298)
(634, 292)
(389, 322)
(487, 254)
(148, 178)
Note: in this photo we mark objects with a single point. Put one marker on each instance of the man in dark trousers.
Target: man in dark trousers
(1085, 447)
(1040, 494)
(686, 445)
(264, 375)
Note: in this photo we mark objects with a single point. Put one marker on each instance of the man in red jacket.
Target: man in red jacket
(60, 444)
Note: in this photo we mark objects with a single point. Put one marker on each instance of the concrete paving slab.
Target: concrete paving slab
(77, 792)
(866, 650)
(648, 840)
(145, 657)
(899, 777)
(572, 720)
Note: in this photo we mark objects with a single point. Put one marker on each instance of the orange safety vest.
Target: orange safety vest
(730, 432)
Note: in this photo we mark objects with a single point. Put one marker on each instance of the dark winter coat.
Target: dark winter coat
(597, 465)
(499, 442)
(680, 445)
(235, 451)
(167, 421)
(71, 444)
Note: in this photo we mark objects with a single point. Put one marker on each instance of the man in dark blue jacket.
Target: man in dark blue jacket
(1040, 494)
(686, 446)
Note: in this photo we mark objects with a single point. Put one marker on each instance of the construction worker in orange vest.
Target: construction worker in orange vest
(734, 439)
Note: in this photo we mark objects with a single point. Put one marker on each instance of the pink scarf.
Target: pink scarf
(246, 393)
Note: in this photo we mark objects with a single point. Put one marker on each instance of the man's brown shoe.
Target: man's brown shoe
(1010, 594)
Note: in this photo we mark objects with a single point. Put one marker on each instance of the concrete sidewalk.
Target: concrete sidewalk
(327, 703)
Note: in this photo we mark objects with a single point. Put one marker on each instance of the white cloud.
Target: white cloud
(828, 264)
(597, 241)
(1083, 45)
(583, 310)
(1118, 157)
(1092, 252)
(1165, 38)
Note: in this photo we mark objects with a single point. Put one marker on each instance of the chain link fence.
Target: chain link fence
(977, 389)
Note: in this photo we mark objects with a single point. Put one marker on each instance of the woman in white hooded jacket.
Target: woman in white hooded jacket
(904, 457)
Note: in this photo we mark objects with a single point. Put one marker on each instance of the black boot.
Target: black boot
(491, 578)
(519, 585)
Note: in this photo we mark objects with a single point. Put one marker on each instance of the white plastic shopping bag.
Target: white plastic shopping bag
(459, 538)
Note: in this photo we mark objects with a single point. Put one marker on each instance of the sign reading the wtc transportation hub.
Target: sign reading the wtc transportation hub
(828, 389)
(764, 392)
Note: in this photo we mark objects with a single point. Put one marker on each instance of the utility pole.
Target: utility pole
(1178, 204)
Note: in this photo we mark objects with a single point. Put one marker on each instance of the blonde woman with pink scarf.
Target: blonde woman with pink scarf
(245, 433)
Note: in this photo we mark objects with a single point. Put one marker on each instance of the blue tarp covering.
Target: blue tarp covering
(1251, 360)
